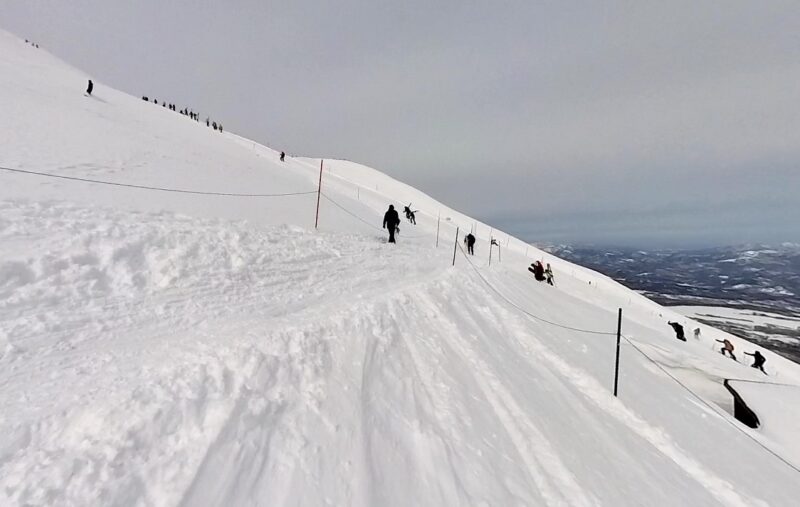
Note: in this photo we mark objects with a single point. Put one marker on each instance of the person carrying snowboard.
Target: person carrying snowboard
(390, 221)
(469, 239)
(678, 331)
(758, 360)
(90, 88)
(548, 274)
(727, 346)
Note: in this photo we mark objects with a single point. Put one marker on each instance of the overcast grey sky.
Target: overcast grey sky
(634, 123)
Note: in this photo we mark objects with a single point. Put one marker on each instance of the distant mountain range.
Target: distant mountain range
(756, 278)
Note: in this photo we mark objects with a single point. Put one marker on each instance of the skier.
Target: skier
(548, 273)
(410, 214)
(469, 239)
(697, 333)
(391, 220)
(283, 156)
(220, 127)
(678, 331)
(758, 360)
(727, 346)
(214, 125)
(90, 88)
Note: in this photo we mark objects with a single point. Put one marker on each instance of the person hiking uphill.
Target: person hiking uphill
(469, 239)
(391, 220)
(410, 215)
(678, 331)
(758, 361)
(727, 346)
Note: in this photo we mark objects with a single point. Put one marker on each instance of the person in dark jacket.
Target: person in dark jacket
(758, 360)
(470, 241)
(89, 88)
(390, 221)
(678, 331)
(283, 156)
(536, 268)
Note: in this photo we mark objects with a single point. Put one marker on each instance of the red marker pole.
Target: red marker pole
(319, 192)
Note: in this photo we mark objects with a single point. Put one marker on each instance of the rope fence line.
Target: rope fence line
(523, 310)
(145, 187)
(640, 351)
(711, 406)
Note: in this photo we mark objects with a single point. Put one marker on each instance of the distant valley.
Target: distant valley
(752, 291)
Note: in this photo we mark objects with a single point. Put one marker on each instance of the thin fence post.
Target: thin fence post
(438, 218)
(491, 247)
(319, 192)
(616, 363)
(526, 252)
(455, 247)
(499, 255)
(358, 193)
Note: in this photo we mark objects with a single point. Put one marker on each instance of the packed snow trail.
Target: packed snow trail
(175, 348)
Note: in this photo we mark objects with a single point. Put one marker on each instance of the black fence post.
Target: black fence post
(455, 247)
(616, 363)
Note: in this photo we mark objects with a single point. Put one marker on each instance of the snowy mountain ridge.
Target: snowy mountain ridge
(171, 348)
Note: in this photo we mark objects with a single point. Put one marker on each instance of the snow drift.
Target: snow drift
(166, 348)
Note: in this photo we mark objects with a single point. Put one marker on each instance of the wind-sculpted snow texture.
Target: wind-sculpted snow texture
(169, 349)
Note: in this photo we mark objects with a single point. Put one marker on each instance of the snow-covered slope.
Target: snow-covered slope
(165, 348)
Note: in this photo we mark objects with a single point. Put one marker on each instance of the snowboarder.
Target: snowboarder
(697, 333)
(678, 331)
(90, 88)
(220, 127)
(410, 214)
(548, 274)
(727, 346)
(469, 239)
(758, 360)
(283, 156)
(391, 220)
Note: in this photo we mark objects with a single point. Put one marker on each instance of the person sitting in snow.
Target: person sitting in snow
(758, 360)
(727, 346)
(536, 268)
(390, 221)
(678, 331)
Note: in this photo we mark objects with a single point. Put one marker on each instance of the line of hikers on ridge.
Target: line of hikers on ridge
(726, 349)
(186, 112)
